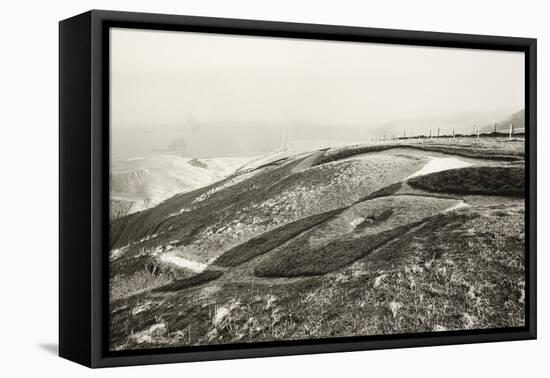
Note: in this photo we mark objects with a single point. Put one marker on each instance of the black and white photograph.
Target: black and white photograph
(276, 189)
(213, 188)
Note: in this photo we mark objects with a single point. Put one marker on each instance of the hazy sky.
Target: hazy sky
(171, 84)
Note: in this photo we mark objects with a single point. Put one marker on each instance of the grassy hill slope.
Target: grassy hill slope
(332, 243)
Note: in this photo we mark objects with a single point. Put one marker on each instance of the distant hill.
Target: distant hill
(517, 120)
(461, 122)
(143, 182)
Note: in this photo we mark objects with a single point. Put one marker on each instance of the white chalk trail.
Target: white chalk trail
(173, 258)
(438, 164)
(459, 205)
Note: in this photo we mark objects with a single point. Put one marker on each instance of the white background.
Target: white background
(29, 190)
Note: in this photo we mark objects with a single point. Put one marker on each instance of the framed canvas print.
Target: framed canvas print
(236, 188)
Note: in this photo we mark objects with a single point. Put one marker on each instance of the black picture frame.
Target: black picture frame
(83, 181)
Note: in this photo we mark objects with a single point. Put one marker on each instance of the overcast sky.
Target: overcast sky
(171, 83)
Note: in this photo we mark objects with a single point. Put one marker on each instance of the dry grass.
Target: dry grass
(461, 270)
(199, 279)
(139, 282)
(480, 150)
(266, 201)
(318, 273)
(269, 240)
(298, 259)
(496, 181)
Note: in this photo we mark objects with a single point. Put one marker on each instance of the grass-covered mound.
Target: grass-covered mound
(227, 217)
(465, 151)
(385, 191)
(459, 270)
(185, 215)
(269, 240)
(298, 259)
(199, 279)
(498, 181)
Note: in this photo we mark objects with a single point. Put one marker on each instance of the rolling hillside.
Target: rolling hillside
(357, 240)
(143, 182)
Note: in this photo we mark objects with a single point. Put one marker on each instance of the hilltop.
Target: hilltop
(355, 240)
